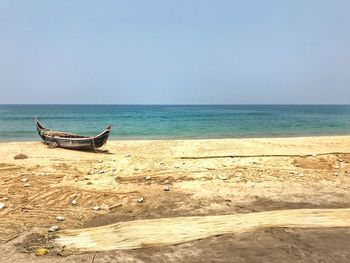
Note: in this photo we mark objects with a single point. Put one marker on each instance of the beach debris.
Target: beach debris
(96, 208)
(60, 218)
(340, 160)
(148, 177)
(26, 184)
(41, 252)
(100, 161)
(114, 206)
(335, 174)
(222, 177)
(53, 229)
(74, 202)
(176, 167)
(140, 200)
(2, 206)
(20, 156)
(101, 172)
(166, 188)
(336, 167)
(25, 179)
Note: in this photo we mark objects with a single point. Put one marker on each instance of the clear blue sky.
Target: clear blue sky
(175, 52)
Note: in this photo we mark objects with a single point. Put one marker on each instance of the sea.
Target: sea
(136, 122)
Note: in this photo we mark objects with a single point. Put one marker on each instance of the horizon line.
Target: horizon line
(179, 104)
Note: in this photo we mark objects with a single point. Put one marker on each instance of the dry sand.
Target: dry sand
(205, 177)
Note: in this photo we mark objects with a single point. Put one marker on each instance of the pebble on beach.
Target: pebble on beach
(166, 188)
(60, 218)
(2, 206)
(41, 252)
(20, 156)
(24, 179)
(54, 228)
(26, 185)
(148, 177)
(96, 208)
(140, 200)
(74, 202)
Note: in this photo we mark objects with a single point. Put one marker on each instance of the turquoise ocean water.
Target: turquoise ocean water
(176, 122)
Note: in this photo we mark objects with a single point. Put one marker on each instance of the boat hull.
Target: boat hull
(76, 142)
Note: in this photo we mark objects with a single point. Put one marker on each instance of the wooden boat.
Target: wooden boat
(72, 141)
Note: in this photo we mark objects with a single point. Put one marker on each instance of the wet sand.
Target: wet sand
(205, 177)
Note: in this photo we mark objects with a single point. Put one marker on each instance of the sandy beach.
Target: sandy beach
(177, 178)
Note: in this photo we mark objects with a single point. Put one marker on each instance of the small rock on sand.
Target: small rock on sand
(335, 174)
(41, 252)
(20, 156)
(148, 177)
(166, 188)
(53, 229)
(140, 200)
(89, 183)
(128, 155)
(96, 208)
(2, 206)
(26, 185)
(336, 167)
(60, 218)
(24, 179)
(74, 202)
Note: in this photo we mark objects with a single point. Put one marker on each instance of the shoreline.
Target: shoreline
(199, 139)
